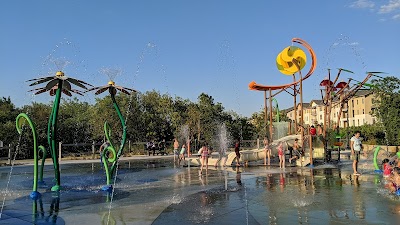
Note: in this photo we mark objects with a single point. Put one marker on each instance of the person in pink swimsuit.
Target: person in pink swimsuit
(281, 155)
(204, 157)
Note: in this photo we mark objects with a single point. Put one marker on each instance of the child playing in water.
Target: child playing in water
(182, 155)
(267, 151)
(394, 179)
(296, 152)
(387, 170)
(281, 155)
(204, 157)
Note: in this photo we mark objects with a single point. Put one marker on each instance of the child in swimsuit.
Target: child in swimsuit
(182, 155)
(267, 151)
(204, 157)
(281, 156)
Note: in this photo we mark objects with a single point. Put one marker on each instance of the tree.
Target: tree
(387, 95)
(8, 113)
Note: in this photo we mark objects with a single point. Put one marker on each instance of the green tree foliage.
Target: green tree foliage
(387, 92)
(8, 113)
(149, 116)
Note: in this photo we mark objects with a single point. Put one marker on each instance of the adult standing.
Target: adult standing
(237, 149)
(356, 148)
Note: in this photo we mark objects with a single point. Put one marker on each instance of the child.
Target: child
(182, 155)
(394, 180)
(387, 170)
(281, 155)
(267, 151)
(296, 152)
(204, 157)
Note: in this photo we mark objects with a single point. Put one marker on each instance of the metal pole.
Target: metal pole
(265, 111)
(311, 150)
(93, 149)
(270, 114)
(295, 103)
(302, 110)
(59, 150)
(9, 154)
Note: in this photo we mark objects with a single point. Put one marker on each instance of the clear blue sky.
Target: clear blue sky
(188, 47)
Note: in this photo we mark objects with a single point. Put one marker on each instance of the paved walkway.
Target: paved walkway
(71, 161)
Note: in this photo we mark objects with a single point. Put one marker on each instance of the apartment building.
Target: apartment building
(357, 112)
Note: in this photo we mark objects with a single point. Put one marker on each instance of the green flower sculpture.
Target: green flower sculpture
(56, 85)
(110, 150)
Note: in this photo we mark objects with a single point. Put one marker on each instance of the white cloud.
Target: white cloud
(362, 4)
(396, 17)
(390, 7)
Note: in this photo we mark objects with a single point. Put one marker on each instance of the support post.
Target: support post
(265, 111)
(295, 103)
(302, 110)
(9, 154)
(93, 149)
(59, 150)
(270, 115)
(311, 150)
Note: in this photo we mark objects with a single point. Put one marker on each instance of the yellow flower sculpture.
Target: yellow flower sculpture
(284, 60)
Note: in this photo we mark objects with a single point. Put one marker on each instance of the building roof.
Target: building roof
(318, 102)
(363, 92)
(287, 110)
(305, 105)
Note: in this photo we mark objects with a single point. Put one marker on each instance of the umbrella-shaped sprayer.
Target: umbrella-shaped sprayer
(56, 85)
(110, 155)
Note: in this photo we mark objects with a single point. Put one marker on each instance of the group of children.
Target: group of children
(281, 152)
(391, 171)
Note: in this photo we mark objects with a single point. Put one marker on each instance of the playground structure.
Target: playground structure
(336, 93)
(110, 149)
(57, 85)
(289, 62)
(246, 155)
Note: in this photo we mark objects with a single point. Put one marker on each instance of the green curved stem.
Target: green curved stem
(111, 160)
(44, 152)
(123, 141)
(111, 148)
(277, 109)
(105, 153)
(19, 122)
(377, 149)
(52, 137)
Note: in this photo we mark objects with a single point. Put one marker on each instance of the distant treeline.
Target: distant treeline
(149, 116)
